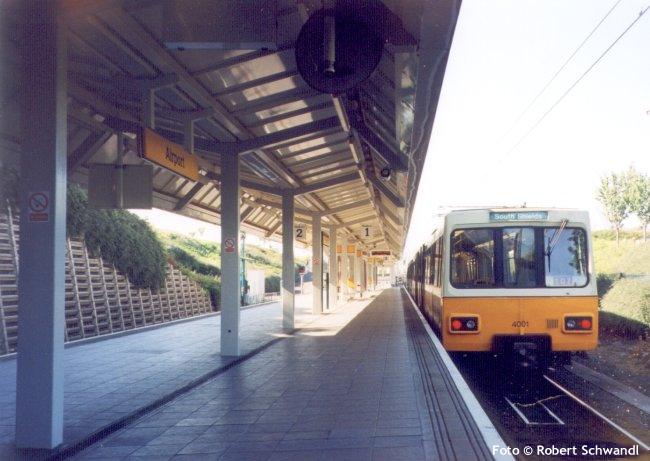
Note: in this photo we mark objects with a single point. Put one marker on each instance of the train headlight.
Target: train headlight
(578, 324)
(461, 323)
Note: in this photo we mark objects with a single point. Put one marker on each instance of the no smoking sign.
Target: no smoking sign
(38, 206)
(229, 245)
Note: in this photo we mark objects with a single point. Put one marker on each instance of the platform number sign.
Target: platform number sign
(368, 231)
(301, 232)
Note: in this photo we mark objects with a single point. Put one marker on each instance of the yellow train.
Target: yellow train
(519, 282)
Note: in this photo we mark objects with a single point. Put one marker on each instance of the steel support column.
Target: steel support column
(230, 260)
(333, 269)
(317, 265)
(345, 264)
(41, 285)
(288, 266)
(357, 272)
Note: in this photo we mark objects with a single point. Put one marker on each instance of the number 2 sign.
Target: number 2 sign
(301, 232)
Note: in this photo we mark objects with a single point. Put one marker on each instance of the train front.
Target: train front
(520, 283)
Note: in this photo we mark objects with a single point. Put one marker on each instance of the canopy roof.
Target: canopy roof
(328, 150)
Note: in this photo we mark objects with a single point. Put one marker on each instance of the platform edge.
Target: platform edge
(489, 433)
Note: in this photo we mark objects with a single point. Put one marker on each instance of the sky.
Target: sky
(503, 53)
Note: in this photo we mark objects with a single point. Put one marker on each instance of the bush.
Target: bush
(604, 283)
(272, 284)
(629, 298)
(9, 185)
(618, 325)
(211, 284)
(121, 238)
(185, 259)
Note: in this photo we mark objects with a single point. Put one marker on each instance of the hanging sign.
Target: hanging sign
(301, 232)
(368, 231)
(351, 249)
(38, 204)
(229, 245)
(169, 155)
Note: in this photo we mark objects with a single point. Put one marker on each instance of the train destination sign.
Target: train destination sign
(170, 155)
(518, 215)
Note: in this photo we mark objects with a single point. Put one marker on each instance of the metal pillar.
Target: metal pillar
(41, 285)
(334, 269)
(288, 266)
(345, 263)
(317, 265)
(230, 283)
(357, 272)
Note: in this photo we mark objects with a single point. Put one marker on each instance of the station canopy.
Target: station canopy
(352, 155)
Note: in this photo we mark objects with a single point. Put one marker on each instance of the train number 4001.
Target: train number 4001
(520, 323)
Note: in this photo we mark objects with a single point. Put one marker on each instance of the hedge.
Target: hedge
(121, 238)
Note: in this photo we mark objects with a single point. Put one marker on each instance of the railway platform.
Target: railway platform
(364, 381)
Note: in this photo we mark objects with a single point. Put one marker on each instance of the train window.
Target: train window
(472, 258)
(519, 265)
(565, 257)
(437, 258)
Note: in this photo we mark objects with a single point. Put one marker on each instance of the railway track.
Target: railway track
(536, 410)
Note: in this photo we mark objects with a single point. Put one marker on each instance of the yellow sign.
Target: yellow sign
(339, 249)
(351, 249)
(170, 155)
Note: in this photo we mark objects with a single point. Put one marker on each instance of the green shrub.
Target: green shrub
(121, 238)
(9, 186)
(611, 235)
(618, 325)
(272, 284)
(185, 259)
(629, 297)
(211, 284)
(604, 283)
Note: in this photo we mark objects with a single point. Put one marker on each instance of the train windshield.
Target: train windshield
(519, 257)
(519, 266)
(565, 257)
(472, 261)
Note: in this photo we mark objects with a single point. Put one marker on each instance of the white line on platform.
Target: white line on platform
(485, 426)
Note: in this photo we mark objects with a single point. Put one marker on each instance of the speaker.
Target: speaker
(336, 52)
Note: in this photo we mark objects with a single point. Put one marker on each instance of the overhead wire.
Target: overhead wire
(582, 76)
(560, 69)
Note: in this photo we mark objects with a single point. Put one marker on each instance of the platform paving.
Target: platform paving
(349, 386)
(108, 379)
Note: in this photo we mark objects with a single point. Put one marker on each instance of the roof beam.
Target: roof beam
(392, 156)
(389, 194)
(275, 100)
(187, 198)
(325, 184)
(389, 214)
(349, 206)
(363, 220)
(275, 227)
(248, 184)
(88, 148)
(268, 140)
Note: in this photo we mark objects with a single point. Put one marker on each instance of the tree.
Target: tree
(613, 195)
(639, 197)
